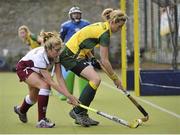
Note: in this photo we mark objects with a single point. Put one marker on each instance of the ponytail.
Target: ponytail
(51, 39)
(106, 14)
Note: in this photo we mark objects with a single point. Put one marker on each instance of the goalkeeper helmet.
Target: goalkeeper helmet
(75, 14)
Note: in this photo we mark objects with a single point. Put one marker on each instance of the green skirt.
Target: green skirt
(68, 59)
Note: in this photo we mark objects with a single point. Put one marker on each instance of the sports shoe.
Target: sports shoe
(91, 121)
(22, 117)
(79, 118)
(45, 123)
(83, 119)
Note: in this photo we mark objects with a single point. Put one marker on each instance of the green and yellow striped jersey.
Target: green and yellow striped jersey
(89, 37)
(31, 40)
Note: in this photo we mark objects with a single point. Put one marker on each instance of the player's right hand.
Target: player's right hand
(118, 84)
(73, 100)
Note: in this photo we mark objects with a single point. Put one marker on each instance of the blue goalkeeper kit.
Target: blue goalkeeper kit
(67, 29)
(70, 27)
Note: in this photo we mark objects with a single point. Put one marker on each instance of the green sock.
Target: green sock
(86, 98)
(82, 84)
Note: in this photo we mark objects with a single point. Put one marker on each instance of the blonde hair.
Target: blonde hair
(110, 14)
(106, 14)
(51, 40)
(26, 29)
(117, 16)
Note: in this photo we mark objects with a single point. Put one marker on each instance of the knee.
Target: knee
(34, 98)
(96, 80)
(33, 95)
(31, 99)
(44, 85)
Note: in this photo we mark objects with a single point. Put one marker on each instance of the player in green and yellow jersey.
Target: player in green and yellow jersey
(29, 38)
(86, 39)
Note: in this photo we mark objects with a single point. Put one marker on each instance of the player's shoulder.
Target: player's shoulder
(66, 24)
(38, 50)
(99, 24)
(33, 36)
(85, 21)
(39, 54)
(99, 27)
(104, 25)
(34, 54)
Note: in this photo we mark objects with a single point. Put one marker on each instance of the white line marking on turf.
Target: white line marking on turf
(148, 102)
(160, 108)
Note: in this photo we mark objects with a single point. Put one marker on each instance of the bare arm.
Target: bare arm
(61, 87)
(47, 77)
(104, 55)
(60, 79)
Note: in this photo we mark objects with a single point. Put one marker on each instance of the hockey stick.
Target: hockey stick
(133, 124)
(125, 92)
(52, 71)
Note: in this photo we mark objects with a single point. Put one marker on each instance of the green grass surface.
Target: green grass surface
(107, 99)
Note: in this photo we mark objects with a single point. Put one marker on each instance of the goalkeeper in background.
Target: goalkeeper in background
(67, 29)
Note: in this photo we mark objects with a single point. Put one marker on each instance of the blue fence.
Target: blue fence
(156, 82)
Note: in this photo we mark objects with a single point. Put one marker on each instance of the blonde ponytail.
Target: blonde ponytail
(117, 16)
(106, 14)
(51, 40)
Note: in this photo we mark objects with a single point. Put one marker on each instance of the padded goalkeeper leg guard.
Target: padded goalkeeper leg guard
(82, 84)
(69, 80)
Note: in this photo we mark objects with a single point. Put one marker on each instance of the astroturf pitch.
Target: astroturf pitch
(107, 99)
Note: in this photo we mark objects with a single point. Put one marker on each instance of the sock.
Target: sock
(27, 103)
(43, 98)
(86, 96)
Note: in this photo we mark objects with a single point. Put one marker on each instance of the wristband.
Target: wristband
(114, 77)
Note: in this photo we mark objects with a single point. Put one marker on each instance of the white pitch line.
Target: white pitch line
(160, 108)
(148, 102)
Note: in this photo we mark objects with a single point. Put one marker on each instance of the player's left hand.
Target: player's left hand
(73, 100)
